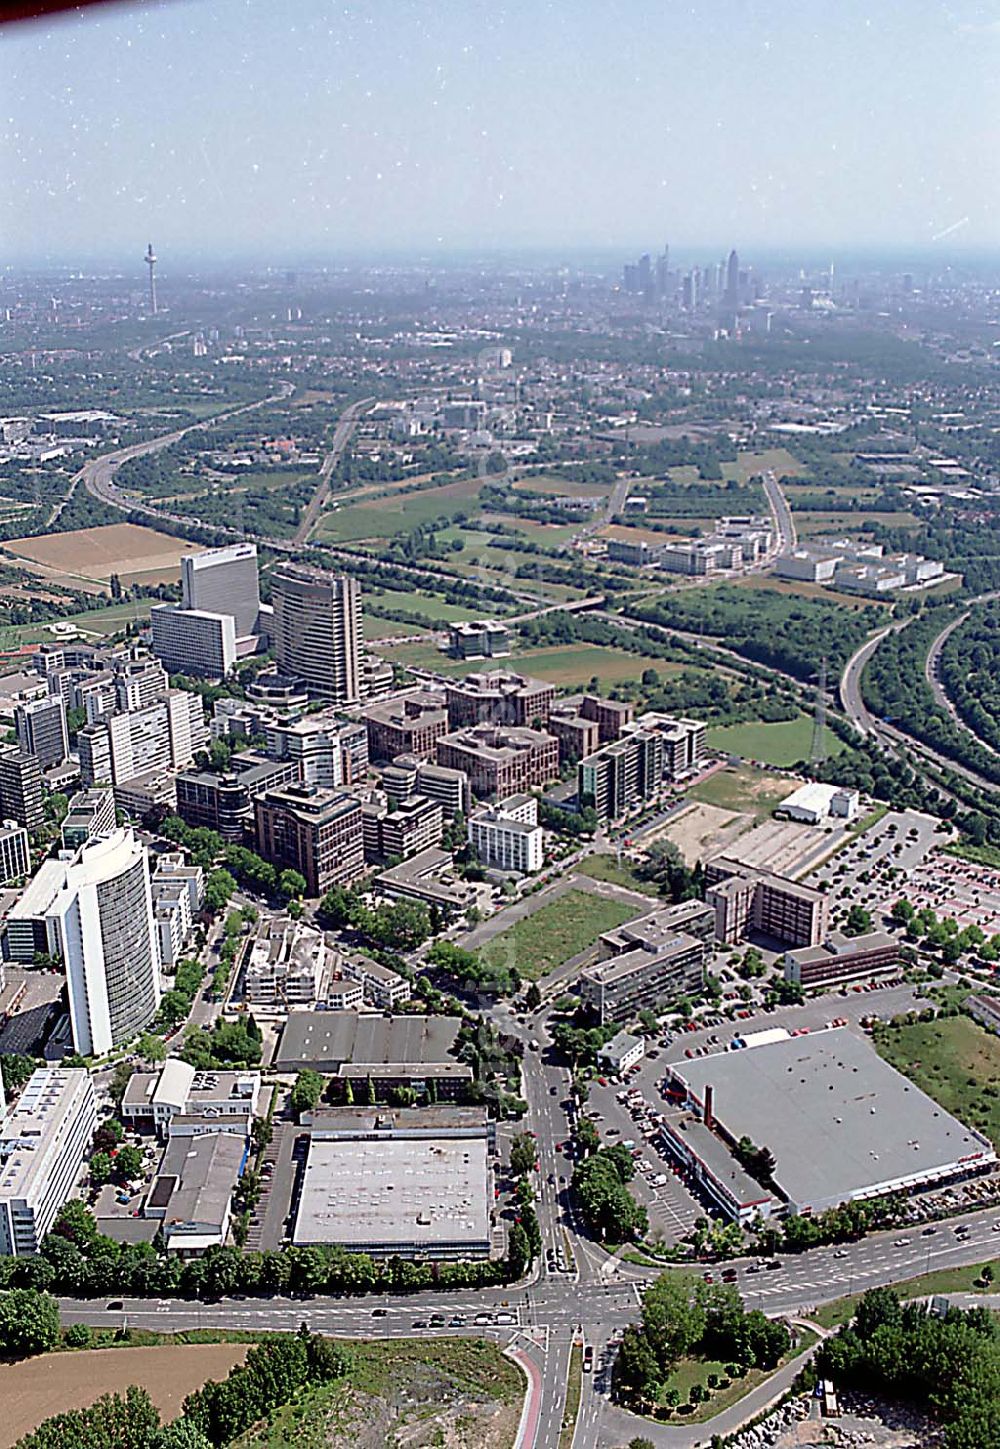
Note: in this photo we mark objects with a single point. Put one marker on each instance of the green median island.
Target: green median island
(557, 931)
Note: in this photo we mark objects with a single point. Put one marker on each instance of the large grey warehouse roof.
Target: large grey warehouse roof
(840, 1121)
(324, 1039)
(399, 1193)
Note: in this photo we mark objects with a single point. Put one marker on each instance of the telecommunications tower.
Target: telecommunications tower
(150, 260)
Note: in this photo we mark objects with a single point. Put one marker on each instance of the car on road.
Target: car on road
(116, 1306)
(930, 1232)
(588, 1358)
(380, 1312)
(482, 1318)
(773, 1265)
(900, 1242)
(437, 1320)
(456, 1322)
(504, 1318)
(840, 1253)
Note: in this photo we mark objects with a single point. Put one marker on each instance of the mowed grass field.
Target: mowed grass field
(399, 512)
(804, 589)
(561, 487)
(95, 621)
(555, 932)
(568, 665)
(954, 1061)
(783, 743)
(127, 549)
(36, 1388)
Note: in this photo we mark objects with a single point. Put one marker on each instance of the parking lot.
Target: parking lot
(875, 868)
(631, 1116)
(960, 888)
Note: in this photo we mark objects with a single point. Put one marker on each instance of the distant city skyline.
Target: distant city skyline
(239, 130)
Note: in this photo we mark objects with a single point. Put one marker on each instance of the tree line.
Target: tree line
(948, 1364)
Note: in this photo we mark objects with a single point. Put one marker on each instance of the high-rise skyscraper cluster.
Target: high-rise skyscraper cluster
(716, 284)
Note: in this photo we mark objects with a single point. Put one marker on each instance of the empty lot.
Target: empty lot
(37, 1388)
(126, 549)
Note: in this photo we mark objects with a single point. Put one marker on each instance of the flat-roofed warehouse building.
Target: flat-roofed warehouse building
(417, 1196)
(391, 1051)
(842, 1123)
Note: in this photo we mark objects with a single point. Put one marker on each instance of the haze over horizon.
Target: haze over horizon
(245, 129)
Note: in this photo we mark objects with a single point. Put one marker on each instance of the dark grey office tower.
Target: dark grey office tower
(732, 276)
(20, 787)
(41, 730)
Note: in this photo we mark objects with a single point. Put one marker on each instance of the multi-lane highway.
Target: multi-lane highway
(341, 437)
(784, 523)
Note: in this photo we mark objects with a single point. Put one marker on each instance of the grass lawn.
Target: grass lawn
(803, 589)
(93, 621)
(572, 665)
(409, 1383)
(783, 743)
(691, 1371)
(574, 1387)
(418, 602)
(942, 1280)
(561, 487)
(555, 932)
(399, 512)
(953, 1060)
(747, 464)
(978, 854)
(606, 867)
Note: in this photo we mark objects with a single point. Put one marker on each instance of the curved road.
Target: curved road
(931, 665)
(96, 475)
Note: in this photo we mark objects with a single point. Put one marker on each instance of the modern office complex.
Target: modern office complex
(161, 735)
(95, 913)
(222, 800)
(408, 724)
(483, 639)
(193, 641)
(396, 832)
(748, 899)
(41, 730)
(649, 962)
(499, 697)
(841, 958)
(15, 855)
(20, 787)
(224, 581)
(317, 631)
(317, 832)
(500, 761)
(43, 1142)
(654, 752)
(508, 836)
(91, 813)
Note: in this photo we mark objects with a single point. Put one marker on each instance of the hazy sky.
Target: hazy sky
(288, 128)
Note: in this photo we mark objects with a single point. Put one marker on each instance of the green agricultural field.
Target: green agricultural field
(555, 932)
(747, 464)
(546, 535)
(399, 511)
(93, 621)
(783, 743)
(417, 602)
(744, 789)
(851, 523)
(954, 1061)
(561, 487)
(566, 665)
